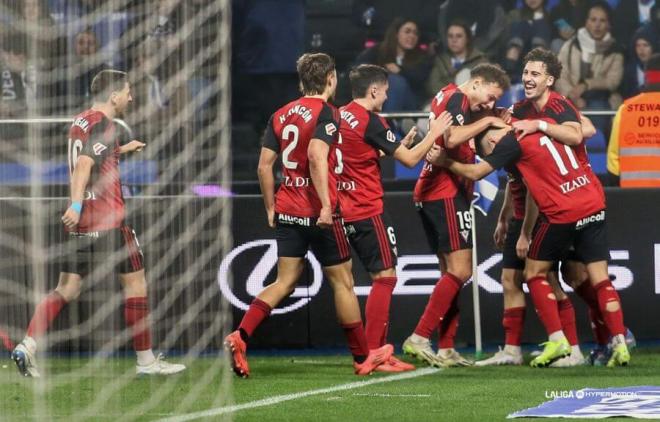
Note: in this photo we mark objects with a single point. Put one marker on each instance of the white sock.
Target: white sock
(575, 350)
(145, 357)
(30, 344)
(512, 350)
(445, 351)
(417, 338)
(556, 336)
(619, 339)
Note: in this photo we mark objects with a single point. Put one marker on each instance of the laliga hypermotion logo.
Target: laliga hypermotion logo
(256, 280)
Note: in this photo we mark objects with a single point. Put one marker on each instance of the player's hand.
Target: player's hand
(525, 127)
(409, 139)
(522, 246)
(70, 218)
(325, 218)
(497, 122)
(393, 67)
(437, 156)
(504, 114)
(441, 123)
(133, 146)
(499, 236)
(271, 218)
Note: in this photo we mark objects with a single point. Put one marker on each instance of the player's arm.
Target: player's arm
(410, 157)
(317, 155)
(267, 157)
(525, 238)
(134, 145)
(325, 134)
(79, 180)
(503, 218)
(460, 134)
(569, 133)
(587, 126)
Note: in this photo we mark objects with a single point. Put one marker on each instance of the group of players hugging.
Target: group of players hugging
(330, 200)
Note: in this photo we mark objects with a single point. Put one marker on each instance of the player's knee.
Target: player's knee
(69, 292)
(552, 296)
(463, 274)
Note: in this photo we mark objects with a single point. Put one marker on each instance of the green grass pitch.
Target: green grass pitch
(106, 389)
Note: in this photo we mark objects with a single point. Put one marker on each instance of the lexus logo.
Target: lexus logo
(256, 280)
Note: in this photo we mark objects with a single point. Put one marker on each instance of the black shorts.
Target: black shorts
(374, 242)
(588, 236)
(447, 223)
(119, 248)
(510, 259)
(296, 235)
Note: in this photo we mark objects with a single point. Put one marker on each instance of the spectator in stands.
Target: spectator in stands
(455, 62)
(567, 17)
(487, 20)
(632, 154)
(630, 15)
(12, 100)
(593, 66)
(408, 65)
(85, 64)
(529, 27)
(644, 44)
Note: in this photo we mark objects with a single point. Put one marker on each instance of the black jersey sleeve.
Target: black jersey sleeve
(379, 135)
(270, 140)
(459, 109)
(505, 153)
(99, 145)
(562, 110)
(327, 127)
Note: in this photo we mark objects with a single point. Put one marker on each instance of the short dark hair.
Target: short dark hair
(363, 76)
(106, 82)
(313, 70)
(491, 73)
(548, 58)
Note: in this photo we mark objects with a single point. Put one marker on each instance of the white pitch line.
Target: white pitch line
(295, 396)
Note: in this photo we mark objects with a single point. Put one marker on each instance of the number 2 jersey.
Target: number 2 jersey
(437, 182)
(93, 135)
(564, 189)
(363, 135)
(289, 132)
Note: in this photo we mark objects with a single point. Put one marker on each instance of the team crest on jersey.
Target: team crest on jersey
(465, 234)
(330, 129)
(99, 148)
(390, 136)
(460, 119)
(439, 97)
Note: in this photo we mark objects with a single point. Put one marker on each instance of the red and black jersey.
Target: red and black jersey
(518, 192)
(558, 108)
(564, 190)
(363, 134)
(92, 134)
(289, 132)
(437, 182)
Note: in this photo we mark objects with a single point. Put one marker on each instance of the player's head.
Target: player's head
(112, 87)
(369, 81)
(542, 69)
(486, 85)
(485, 142)
(652, 73)
(317, 74)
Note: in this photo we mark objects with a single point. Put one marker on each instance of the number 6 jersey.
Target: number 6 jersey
(92, 134)
(289, 132)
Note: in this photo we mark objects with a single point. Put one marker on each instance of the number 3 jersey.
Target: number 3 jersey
(289, 132)
(93, 135)
(563, 187)
(364, 135)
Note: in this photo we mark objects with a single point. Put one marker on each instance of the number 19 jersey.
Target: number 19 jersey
(289, 132)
